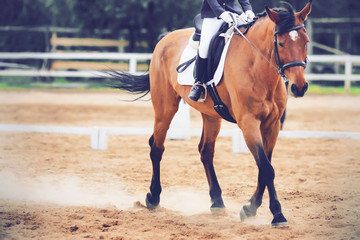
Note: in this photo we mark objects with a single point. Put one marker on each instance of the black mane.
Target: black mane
(287, 18)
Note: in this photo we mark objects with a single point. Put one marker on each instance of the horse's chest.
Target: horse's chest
(264, 110)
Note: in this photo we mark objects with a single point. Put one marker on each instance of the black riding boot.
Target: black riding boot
(198, 87)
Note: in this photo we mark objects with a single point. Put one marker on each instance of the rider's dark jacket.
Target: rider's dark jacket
(214, 8)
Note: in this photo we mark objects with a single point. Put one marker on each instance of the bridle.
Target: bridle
(281, 66)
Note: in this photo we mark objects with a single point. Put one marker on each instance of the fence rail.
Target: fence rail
(348, 76)
(133, 59)
(349, 62)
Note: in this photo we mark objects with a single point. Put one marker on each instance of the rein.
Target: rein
(280, 66)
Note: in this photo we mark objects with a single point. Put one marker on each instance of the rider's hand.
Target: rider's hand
(227, 17)
(250, 16)
(241, 19)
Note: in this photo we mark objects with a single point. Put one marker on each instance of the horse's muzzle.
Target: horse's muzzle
(299, 92)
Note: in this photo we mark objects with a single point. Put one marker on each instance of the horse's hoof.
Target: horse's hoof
(219, 203)
(279, 221)
(280, 224)
(246, 213)
(243, 215)
(218, 209)
(150, 203)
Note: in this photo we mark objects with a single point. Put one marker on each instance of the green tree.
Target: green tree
(139, 20)
(25, 13)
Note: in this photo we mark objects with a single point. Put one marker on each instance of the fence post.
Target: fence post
(132, 65)
(310, 50)
(348, 71)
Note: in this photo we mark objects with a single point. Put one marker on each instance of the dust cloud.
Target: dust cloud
(69, 190)
(63, 190)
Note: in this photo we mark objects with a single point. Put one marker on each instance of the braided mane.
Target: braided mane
(287, 18)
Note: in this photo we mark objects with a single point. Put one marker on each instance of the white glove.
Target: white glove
(250, 16)
(227, 17)
(241, 19)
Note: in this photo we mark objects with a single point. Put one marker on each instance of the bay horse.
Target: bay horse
(252, 89)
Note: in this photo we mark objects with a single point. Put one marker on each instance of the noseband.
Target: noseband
(282, 67)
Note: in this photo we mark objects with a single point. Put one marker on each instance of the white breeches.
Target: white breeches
(209, 28)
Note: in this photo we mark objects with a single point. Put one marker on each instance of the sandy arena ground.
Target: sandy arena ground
(53, 186)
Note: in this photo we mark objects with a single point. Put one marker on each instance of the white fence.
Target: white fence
(180, 127)
(133, 59)
(349, 62)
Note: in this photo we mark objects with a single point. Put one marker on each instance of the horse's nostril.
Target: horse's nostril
(305, 88)
(299, 92)
(294, 89)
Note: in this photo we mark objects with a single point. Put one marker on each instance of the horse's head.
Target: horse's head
(290, 45)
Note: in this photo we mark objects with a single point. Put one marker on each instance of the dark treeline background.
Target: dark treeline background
(132, 20)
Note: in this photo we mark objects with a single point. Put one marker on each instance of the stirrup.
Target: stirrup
(205, 91)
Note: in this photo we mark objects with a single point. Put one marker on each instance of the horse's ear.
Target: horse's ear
(303, 14)
(274, 16)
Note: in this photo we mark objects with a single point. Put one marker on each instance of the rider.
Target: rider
(215, 13)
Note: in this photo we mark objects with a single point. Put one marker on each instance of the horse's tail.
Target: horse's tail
(137, 84)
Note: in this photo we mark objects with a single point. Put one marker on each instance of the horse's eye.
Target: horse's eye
(280, 44)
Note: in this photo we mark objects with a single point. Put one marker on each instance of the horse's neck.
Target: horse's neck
(261, 35)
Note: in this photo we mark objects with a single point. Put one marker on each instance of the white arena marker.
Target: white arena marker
(103, 138)
(238, 142)
(180, 125)
(94, 138)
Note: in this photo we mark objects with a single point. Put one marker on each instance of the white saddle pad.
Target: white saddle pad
(186, 77)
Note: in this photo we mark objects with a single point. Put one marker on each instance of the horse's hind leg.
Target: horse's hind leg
(164, 113)
(211, 128)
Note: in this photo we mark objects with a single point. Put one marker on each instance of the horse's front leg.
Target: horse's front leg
(211, 128)
(261, 146)
(256, 199)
